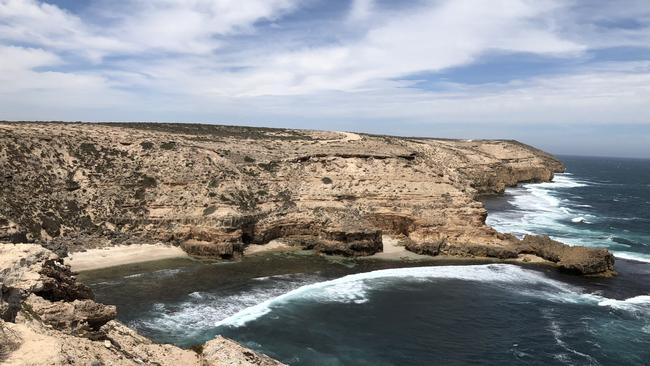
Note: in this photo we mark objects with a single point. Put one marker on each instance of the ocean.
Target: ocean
(310, 310)
(598, 202)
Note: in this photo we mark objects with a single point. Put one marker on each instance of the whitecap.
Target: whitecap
(202, 309)
(639, 257)
(167, 272)
(354, 288)
(105, 283)
(556, 330)
(632, 303)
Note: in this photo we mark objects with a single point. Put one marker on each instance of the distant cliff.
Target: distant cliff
(214, 189)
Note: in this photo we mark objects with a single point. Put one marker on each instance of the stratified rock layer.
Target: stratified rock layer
(214, 189)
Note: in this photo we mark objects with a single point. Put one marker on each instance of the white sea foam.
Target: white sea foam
(565, 357)
(201, 310)
(633, 303)
(159, 273)
(538, 210)
(639, 257)
(204, 310)
(354, 288)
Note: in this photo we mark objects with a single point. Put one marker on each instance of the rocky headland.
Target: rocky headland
(216, 191)
(213, 190)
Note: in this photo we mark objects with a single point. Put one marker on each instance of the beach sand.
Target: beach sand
(120, 255)
(272, 246)
(106, 257)
(394, 251)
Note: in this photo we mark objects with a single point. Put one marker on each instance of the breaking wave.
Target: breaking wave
(356, 288)
(554, 209)
(202, 310)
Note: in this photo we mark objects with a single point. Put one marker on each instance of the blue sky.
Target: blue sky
(568, 76)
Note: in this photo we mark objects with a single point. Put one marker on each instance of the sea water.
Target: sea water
(598, 202)
(311, 310)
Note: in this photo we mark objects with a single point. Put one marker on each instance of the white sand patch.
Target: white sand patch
(120, 255)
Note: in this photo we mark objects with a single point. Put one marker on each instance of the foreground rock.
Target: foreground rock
(44, 323)
(216, 189)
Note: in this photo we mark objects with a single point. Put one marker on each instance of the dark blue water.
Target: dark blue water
(600, 202)
(309, 310)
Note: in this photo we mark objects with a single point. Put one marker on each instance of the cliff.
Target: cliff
(47, 318)
(215, 189)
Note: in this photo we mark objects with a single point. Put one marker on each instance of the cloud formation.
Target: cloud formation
(282, 61)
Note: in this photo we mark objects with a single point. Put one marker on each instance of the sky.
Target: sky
(568, 76)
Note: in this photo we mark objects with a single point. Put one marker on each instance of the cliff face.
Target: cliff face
(47, 318)
(214, 189)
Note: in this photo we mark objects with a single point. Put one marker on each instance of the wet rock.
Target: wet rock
(572, 259)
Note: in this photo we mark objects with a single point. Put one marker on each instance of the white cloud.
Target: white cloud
(360, 10)
(192, 26)
(19, 59)
(426, 39)
(139, 26)
(41, 24)
(213, 61)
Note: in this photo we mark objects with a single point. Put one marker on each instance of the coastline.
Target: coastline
(110, 257)
(107, 257)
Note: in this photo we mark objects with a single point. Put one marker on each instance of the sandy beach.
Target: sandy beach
(394, 251)
(272, 246)
(120, 255)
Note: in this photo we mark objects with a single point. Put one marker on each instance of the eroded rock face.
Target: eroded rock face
(215, 189)
(31, 269)
(576, 259)
(36, 330)
(78, 317)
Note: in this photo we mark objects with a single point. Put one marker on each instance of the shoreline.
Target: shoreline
(114, 256)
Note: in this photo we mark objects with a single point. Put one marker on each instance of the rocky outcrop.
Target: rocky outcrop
(223, 351)
(65, 330)
(575, 260)
(78, 317)
(216, 189)
(578, 260)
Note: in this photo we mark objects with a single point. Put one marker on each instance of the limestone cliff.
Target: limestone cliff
(215, 189)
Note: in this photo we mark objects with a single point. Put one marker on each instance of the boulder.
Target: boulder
(223, 351)
(79, 317)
